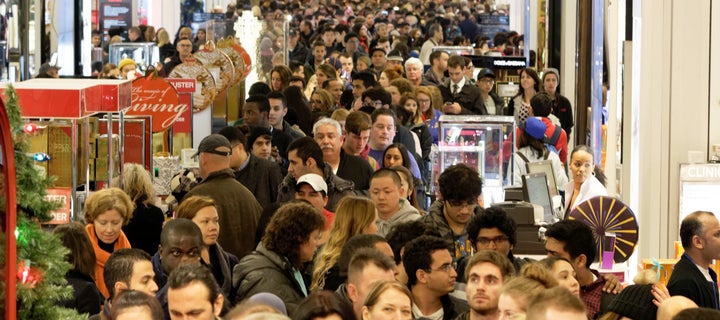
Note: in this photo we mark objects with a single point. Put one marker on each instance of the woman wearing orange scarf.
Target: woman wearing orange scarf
(106, 211)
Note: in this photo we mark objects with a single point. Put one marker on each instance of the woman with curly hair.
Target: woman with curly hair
(143, 230)
(276, 266)
(389, 74)
(106, 211)
(354, 215)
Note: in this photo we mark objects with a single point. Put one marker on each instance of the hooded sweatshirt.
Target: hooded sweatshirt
(406, 213)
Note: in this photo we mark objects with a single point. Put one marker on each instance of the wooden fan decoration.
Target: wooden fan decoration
(607, 214)
(226, 47)
(205, 91)
(218, 63)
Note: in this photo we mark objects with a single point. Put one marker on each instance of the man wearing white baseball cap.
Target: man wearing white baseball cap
(312, 188)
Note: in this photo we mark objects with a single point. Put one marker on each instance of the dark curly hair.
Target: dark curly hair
(290, 227)
(403, 233)
(418, 255)
(461, 183)
(578, 237)
(493, 217)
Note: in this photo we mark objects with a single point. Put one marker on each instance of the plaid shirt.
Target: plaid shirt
(591, 295)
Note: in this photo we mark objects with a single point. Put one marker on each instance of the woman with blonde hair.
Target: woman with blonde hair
(516, 293)
(354, 215)
(106, 211)
(321, 103)
(143, 230)
(387, 300)
(203, 211)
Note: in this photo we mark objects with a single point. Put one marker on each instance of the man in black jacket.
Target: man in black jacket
(692, 276)
(459, 95)
(328, 134)
(261, 176)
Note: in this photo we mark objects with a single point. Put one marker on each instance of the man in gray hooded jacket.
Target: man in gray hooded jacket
(386, 193)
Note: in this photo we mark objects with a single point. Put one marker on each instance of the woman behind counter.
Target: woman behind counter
(587, 180)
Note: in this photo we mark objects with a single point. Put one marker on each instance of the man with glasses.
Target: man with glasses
(490, 100)
(460, 187)
(237, 207)
(431, 277)
(494, 230)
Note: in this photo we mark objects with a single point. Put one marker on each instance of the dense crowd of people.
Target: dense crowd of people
(315, 204)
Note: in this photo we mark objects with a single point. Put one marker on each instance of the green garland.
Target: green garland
(39, 297)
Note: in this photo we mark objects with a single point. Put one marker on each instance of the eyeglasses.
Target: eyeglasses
(374, 104)
(487, 80)
(421, 101)
(497, 240)
(461, 204)
(446, 267)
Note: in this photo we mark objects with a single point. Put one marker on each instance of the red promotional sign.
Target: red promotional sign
(185, 89)
(153, 96)
(62, 214)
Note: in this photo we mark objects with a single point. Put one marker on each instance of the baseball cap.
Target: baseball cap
(534, 127)
(214, 144)
(485, 72)
(314, 180)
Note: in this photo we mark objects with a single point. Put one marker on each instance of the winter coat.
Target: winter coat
(266, 271)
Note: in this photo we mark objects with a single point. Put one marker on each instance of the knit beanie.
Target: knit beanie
(549, 71)
(635, 302)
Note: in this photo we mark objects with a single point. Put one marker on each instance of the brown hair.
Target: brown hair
(291, 226)
(81, 255)
(190, 206)
(393, 72)
(429, 114)
(403, 85)
(557, 298)
(106, 200)
(357, 122)
(326, 99)
(493, 257)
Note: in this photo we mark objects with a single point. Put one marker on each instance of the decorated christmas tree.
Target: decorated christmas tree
(41, 264)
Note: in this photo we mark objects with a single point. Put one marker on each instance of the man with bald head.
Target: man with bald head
(672, 306)
(692, 276)
(237, 207)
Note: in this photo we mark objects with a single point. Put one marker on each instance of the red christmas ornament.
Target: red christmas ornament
(27, 275)
(30, 128)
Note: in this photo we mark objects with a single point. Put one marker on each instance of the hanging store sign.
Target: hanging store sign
(154, 96)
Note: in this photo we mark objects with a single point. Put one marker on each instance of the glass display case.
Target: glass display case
(485, 143)
(143, 53)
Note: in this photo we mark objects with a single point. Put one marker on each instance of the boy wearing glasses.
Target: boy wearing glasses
(460, 187)
(431, 277)
(495, 230)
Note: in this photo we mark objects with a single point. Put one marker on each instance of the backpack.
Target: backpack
(549, 145)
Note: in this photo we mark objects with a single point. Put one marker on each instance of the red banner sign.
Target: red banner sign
(154, 96)
(185, 89)
(62, 195)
